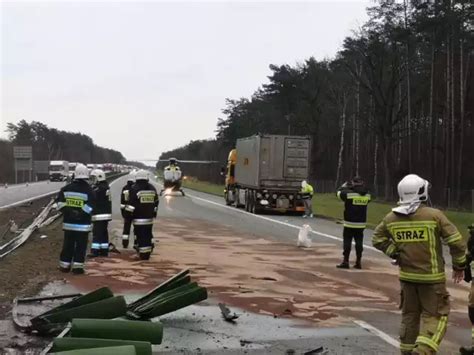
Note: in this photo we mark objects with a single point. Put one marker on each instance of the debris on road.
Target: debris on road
(117, 329)
(69, 343)
(229, 317)
(113, 350)
(315, 351)
(173, 294)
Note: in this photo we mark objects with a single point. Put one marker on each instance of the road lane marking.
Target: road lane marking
(38, 197)
(329, 236)
(377, 332)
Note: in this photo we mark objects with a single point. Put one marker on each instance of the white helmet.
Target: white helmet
(131, 176)
(412, 189)
(81, 172)
(141, 175)
(304, 184)
(98, 175)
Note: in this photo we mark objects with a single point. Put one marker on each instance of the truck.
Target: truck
(264, 172)
(58, 170)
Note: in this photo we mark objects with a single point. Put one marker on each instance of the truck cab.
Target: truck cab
(58, 170)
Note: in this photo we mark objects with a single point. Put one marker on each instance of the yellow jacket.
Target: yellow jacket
(417, 239)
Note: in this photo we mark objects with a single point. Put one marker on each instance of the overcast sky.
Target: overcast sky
(146, 77)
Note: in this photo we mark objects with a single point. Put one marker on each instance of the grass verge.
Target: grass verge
(328, 205)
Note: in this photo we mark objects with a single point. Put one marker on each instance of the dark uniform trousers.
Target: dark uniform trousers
(74, 250)
(100, 238)
(144, 237)
(356, 234)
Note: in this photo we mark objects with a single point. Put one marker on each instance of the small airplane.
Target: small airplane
(173, 175)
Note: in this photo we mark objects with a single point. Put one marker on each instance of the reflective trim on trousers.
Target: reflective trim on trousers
(407, 347)
(104, 246)
(77, 265)
(143, 221)
(348, 224)
(102, 217)
(124, 237)
(144, 250)
(64, 264)
(77, 227)
(95, 246)
(60, 205)
(122, 207)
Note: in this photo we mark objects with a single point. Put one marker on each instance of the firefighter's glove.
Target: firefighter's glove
(125, 243)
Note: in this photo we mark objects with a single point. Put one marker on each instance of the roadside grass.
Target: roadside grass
(329, 206)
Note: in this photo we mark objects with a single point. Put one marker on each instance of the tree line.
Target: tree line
(397, 98)
(51, 144)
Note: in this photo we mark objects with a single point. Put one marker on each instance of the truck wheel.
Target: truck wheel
(227, 201)
(247, 201)
(236, 198)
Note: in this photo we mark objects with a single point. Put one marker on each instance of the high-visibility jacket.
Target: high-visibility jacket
(307, 191)
(143, 204)
(416, 240)
(103, 210)
(77, 202)
(355, 200)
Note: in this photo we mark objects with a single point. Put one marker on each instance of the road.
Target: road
(233, 250)
(22, 193)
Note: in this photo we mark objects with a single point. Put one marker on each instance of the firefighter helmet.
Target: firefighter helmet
(131, 176)
(142, 175)
(81, 172)
(412, 189)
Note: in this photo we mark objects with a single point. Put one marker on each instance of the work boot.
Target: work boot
(64, 269)
(104, 252)
(78, 271)
(466, 351)
(343, 265)
(358, 265)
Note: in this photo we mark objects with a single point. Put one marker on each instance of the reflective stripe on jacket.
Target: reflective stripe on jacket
(418, 239)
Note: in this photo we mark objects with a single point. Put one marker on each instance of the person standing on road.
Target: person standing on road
(468, 278)
(76, 201)
(356, 198)
(143, 208)
(124, 199)
(413, 234)
(307, 192)
(102, 214)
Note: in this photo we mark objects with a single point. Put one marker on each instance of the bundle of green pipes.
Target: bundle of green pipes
(173, 294)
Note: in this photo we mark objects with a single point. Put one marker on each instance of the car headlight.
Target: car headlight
(259, 195)
(274, 196)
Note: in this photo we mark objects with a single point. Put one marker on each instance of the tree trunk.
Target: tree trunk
(400, 128)
(407, 67)
(447, 115)
(357, 121)
(376, 153)
(341, 147)
(432, 121)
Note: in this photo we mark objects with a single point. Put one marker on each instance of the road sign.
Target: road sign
(23, 161)
(23, 152)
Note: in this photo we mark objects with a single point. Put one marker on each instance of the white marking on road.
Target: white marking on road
(382, 335)
(38, 197)
(329, 236)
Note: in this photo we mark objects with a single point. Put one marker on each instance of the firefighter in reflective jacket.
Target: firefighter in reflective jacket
(143, 208)
(124, 199)
(413, 235)
(469, 271)
(356, 198)
(102, 214)
(76, 201)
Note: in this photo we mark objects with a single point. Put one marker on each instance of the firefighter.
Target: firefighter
(102, 214)
(356, 198)
(468, 278)
(77, 202)
(142, 208)
(413, 234)
(307, 191)
(124, 199)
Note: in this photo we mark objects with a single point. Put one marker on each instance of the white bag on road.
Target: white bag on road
(303, 239)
